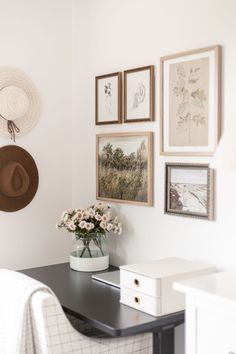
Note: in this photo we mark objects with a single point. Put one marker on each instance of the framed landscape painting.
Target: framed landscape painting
(124, 167)
(190, 102)
(108, 97)
(139, 94)
(189, 190)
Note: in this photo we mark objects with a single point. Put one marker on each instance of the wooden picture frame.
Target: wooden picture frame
(139, 94)
(190, 102)
(189, 190)
(130, 180)
(108, 99)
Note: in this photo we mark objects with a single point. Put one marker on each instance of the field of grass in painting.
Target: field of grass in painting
(123, 176)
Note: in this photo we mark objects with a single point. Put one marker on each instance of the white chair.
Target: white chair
(33, 322)
(54, 334)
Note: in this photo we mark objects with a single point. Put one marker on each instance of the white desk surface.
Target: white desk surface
(218, 285)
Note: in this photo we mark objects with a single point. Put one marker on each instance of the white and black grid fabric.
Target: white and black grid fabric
(60, 337)
(52, 333)
(16, 290)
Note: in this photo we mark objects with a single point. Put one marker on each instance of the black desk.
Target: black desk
(98, 304)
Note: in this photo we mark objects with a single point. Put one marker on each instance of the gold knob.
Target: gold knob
(136, 300)
(136, 282)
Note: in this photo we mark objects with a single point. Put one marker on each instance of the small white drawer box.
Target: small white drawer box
(148, 286)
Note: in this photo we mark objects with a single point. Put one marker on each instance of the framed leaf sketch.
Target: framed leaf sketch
(124, 167)
(188, 190)
(139, 94)
(190, 102)
(108, 97)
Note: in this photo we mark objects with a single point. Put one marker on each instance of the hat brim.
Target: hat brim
(18, 154)
(10, 76)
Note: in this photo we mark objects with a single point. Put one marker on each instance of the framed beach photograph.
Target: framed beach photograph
(108, 96)
(188, 190)
(139, 94)
(124, 167)
(190, 102)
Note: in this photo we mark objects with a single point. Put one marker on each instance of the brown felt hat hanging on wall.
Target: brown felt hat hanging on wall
(18, 178)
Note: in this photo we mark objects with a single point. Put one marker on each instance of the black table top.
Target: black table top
(97, 302)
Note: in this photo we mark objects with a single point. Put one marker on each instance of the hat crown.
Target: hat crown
(14, 102)
(14, 179)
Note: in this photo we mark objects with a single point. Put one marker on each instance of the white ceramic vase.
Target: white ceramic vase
(89, 264)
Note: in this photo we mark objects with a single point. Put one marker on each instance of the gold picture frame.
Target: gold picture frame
(108, 99)
(139, 94)
(124, 167)
(189, 190)
(190, 102)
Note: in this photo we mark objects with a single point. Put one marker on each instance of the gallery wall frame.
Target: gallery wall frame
(108, 99)
(190, 102)
(124, 167)
(139, 94)
(189, 190)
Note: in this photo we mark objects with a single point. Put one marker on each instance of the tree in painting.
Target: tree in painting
(123, 176)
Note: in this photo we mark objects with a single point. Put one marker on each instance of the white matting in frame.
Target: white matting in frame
(189, 190)
(139, 94)
(108, 99)
(190, 102)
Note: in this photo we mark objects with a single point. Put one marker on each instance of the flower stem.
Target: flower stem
(86, 247)
(90, 254)
(82, 253)
(99, 245)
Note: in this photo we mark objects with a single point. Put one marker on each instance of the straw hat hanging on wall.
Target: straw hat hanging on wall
(19, 103)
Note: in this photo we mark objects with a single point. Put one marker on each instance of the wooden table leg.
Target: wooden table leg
(164, 341)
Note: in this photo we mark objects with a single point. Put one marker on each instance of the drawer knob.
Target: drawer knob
(137, 300)
(136, 282)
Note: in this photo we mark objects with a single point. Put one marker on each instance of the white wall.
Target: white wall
(118, 35)
(109, 35)
(114, 35)
(35, 36)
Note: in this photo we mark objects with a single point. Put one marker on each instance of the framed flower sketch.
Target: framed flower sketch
(190, 102)
(108, 97)
(189, 190)
(139, 94)
(124, 167)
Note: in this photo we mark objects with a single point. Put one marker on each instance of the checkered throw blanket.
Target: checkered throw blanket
(16, 290)
(32, 322)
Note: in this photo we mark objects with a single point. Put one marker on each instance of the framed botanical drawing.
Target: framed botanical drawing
(108, 97)
(139, 94)
(190, 102)
(188, 190)
(124, 167)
